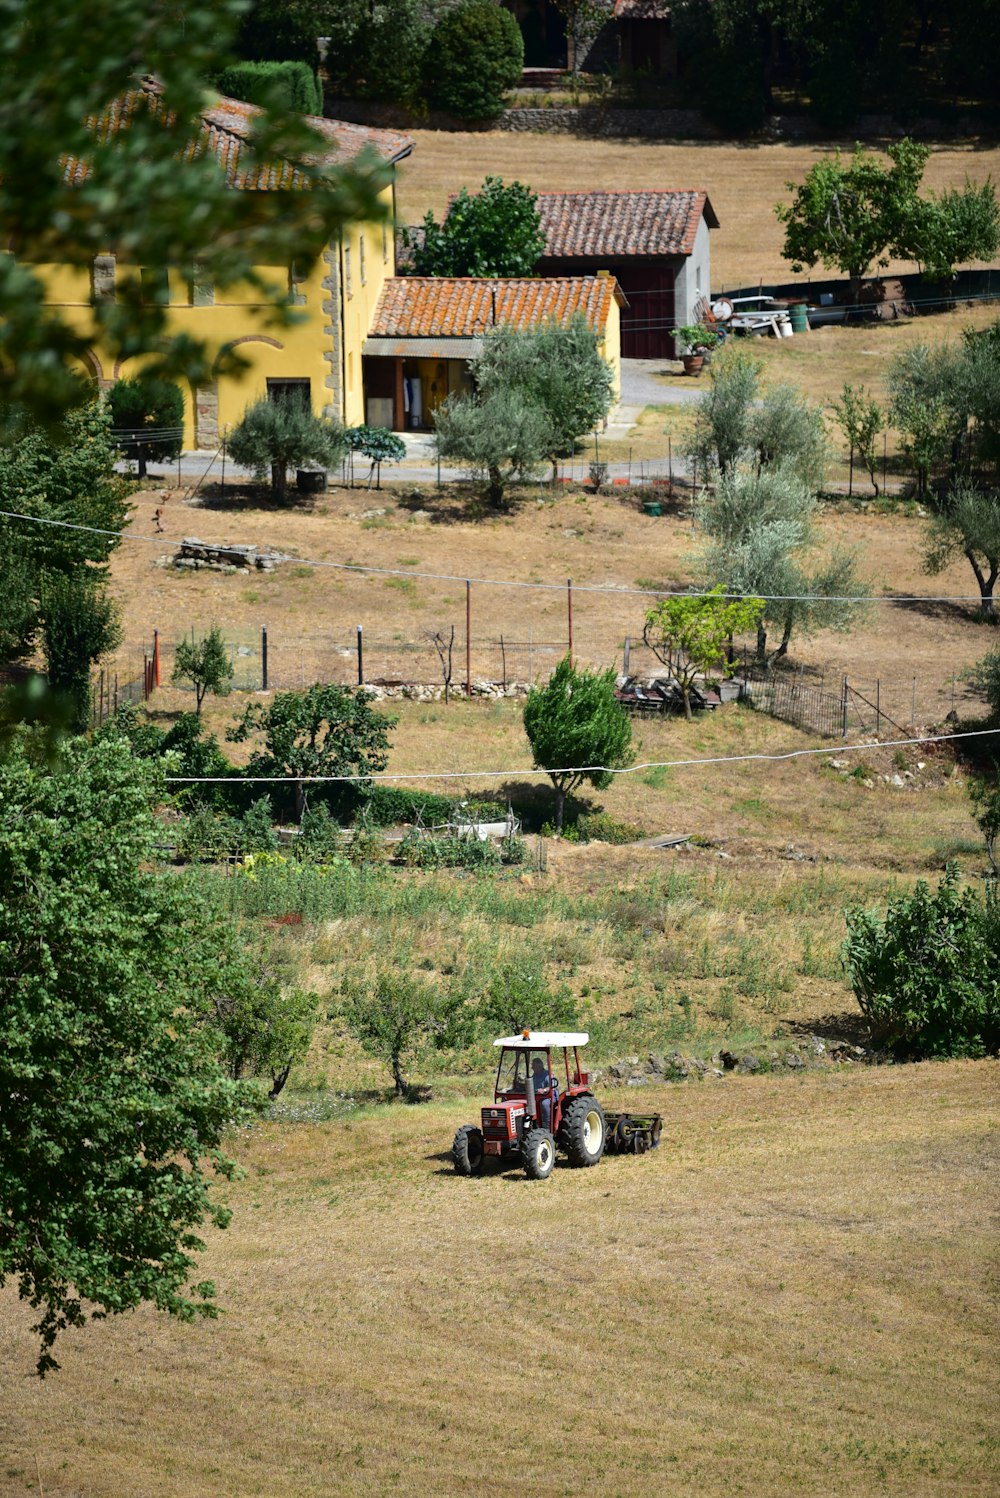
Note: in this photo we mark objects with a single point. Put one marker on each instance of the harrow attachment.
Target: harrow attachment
(632, 1133)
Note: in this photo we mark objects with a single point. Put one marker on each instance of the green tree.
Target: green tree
(378, 445)
(165, 204)
(147, 419)
(740, 419)
(984, 793)
(851, 215)
(499, 437)
(557, 369)
(984, 678)
(577, 730)
(921, 407)
(940, 233)
(926, 975)
(264, 1020)
(861, 419)
(324, 731)
(761, 542)
(107, 970)
(493, 232)
(475, 55)
(274, 436)
(392, 1012)
(692, 634)
(205, 664)
(967, 523)
(80, 623)
(282, 31)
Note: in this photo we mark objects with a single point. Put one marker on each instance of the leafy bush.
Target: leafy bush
(476, 53)
(283, 85)
(926, 976)
(493, 232)
(389, 804)
(601, 827)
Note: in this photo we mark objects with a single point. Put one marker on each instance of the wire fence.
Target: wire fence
(831, 704)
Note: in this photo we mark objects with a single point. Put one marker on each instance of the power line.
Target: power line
(653, 764)
(503, 582)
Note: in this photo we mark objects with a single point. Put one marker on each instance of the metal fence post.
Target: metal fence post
(263, 657)
(843, 709)
(569, 608)
(361, 658)
(156, 657)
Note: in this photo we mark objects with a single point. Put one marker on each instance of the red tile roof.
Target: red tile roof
(438, 307)
(225, 131)
(595, 224)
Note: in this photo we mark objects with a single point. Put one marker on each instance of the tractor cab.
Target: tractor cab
(542, 1101)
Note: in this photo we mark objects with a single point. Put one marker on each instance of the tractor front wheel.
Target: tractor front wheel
(584, 1131)
(467, 1151)
(538, 1152)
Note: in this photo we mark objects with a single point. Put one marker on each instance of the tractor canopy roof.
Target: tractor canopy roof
(530, 1040)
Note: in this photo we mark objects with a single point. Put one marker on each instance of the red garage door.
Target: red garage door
(648, 319)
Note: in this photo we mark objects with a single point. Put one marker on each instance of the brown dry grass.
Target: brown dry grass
(793, 1295)
(743, 181)
(597, 540)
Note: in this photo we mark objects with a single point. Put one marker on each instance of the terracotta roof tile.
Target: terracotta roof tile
(592, 224)
(438, 307)
(224, 133)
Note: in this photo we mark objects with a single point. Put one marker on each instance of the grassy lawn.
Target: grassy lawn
(792, 1295)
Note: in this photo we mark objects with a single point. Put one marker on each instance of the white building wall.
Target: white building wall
(694, 278)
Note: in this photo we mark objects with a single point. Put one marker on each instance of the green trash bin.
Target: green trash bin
(800, 322)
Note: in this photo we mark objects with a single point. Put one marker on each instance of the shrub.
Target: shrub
(282, 85)
(476, 53)
(926, 975)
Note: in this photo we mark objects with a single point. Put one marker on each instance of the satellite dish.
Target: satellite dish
(722, 310)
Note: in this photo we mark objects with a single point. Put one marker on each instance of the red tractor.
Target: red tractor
(533, 1114)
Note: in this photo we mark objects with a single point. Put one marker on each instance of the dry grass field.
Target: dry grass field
(795, 1295)
(744, 181)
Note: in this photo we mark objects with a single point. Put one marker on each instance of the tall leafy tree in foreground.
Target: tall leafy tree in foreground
(493, 232)
(577, 730)
(147, 191)
(114, 1106)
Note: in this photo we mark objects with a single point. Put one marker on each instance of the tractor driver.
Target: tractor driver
(542, 1079)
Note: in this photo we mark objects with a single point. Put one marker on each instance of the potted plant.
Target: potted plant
(696, 340)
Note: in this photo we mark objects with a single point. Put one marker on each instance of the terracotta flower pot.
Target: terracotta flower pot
(692, 363)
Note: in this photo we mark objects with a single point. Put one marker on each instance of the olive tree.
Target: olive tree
(500, 436)
(967, 523)
(740, 419)
(274, 436)
(578, 732)
(761, 542)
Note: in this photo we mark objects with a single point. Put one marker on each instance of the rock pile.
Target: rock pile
(419, 691)
(196, 554)
(636, 1071)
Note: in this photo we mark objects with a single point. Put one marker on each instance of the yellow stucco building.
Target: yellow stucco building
(318, 359)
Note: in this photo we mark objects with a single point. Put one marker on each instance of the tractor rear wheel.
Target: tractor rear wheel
(584, 1131)
(467, 1151)
(538, 1153)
